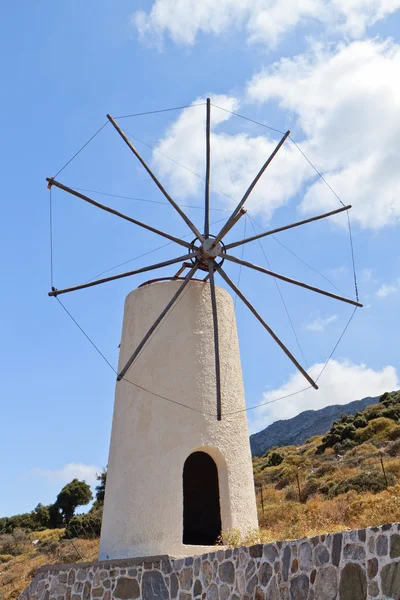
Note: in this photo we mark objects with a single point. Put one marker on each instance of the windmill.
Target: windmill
(177, 479)
(206, 253)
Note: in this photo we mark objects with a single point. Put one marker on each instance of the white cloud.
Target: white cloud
(70, 472)
(265, 21)
(350, 132)
(346, 100)
(341, 382)
(387, 290)
(320, 323)
(367, 274)
(236, 159)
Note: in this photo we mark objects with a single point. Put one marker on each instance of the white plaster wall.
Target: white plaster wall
(151, 437)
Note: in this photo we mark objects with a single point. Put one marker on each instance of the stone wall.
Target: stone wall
(353, 565)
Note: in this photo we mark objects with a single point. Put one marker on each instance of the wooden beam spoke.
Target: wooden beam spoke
(267, 327)
(289, 280)
(207, 188)
(285, 227)
(211, 266)
(158, 321)
(83, 286)
(154, 178)
(251, 187)
(65, 188)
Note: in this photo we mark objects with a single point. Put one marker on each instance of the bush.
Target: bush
(393, 449)
(48, 547)
(16, 543)
(395, 433)
(324, 470)
(372, 481)
(342, 447)
(86, 526)
(311, 488)
(378, 429)
(274, 459)
(5, 558)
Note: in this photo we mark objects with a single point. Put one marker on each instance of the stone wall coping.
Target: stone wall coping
(116, 562)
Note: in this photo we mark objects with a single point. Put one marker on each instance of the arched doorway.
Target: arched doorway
(201, 507)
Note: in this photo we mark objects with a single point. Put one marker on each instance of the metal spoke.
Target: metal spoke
(233, 222)
(284, 227)
(267, 327)
(122, 275)
(207, 189)
(211, 266)
(154, 178)
(289, 280)
(226, 227)
(52, 182)
(158, 321)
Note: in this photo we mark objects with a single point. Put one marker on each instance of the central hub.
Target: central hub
(209, 250)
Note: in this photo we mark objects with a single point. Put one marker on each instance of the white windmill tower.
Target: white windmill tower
(180, 474)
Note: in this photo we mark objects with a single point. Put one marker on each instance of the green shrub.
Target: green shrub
(5, 558)
(395, 433)
(274, 459)
(372, 481)
(342, 447)
(378, 428)
(87, 526)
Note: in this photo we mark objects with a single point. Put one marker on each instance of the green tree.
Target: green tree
(41, 516)
(101, 486)
(74, 494)
(56, 519)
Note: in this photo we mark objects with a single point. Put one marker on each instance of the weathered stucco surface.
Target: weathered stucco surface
(353, 565)
(151, 437)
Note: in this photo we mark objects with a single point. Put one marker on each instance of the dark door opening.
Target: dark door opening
(201, 508)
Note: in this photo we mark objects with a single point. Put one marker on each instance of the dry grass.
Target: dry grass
(16, 574)
(291, 520)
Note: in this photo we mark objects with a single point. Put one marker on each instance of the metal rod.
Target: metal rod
(240, 214)
(262, 498)
(154, 178)
(289, 280)
(226, 227)
(56, 293)
(278, 229)
(211, 266)
(384, 472)
(298, 486)
(158, 321)
(207, 188)
(179, 273)
(267, 327)
(52, 182)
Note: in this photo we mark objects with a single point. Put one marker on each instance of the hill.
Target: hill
(295, 431)
(347, 479)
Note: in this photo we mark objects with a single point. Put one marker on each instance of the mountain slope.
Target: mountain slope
(295, 431)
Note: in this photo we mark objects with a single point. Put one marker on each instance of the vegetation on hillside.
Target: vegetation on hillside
(348, 478)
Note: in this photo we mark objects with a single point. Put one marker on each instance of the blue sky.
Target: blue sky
(328, 72)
